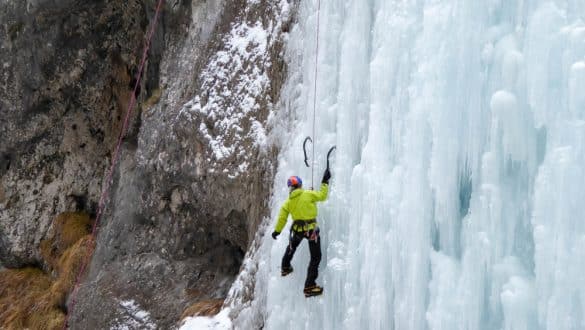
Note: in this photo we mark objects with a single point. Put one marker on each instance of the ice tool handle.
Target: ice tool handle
(329, 154)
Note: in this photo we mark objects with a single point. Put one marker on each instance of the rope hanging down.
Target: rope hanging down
(315, 93)
(115, 158)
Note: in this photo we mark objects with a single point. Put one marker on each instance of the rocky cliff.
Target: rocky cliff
(196, 166)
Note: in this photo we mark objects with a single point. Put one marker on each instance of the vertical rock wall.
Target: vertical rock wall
(193, 180)
(66, 77)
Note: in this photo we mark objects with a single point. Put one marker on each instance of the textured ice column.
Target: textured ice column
(342, 102)
(559, 230)
(576, 85)
(455, 199)
(560, 234)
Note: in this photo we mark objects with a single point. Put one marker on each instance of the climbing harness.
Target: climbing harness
(302, 226)
(115, 159)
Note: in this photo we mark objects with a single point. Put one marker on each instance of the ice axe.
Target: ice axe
(308, 138)
(329, 154)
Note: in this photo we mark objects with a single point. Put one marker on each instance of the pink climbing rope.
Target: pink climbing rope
(110, 174)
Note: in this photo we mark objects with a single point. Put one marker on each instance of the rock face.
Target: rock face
(65, 77)
(192, 182)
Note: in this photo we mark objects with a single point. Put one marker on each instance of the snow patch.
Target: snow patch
(234, 85)
(134, 318)
(221, 321)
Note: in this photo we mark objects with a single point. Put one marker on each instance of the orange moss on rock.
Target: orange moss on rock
(203, 308)
(69, 227)
(30, 298)
(152, 100)
(21, 303)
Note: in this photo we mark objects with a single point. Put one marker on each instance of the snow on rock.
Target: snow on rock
(234, 100)
(134, 318)
(220, 321)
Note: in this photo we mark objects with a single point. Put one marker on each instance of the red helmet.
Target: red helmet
(294, 181)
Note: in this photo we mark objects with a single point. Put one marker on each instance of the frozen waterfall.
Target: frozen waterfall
(458, 188)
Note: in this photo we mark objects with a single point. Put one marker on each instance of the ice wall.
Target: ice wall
(459, 177)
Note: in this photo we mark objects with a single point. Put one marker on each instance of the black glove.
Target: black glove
(275, 234)
(326, 176)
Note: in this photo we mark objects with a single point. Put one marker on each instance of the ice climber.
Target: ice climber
(301, 205)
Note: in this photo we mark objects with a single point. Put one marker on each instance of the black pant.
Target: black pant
(314, 247)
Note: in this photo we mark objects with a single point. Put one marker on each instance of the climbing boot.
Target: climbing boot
(313, 290)
(286, 270)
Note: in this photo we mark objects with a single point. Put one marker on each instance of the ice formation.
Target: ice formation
(459, 177)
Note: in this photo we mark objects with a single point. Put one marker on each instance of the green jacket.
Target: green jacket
(301, 206)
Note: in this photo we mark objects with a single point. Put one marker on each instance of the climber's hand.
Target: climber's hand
(326, 176)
